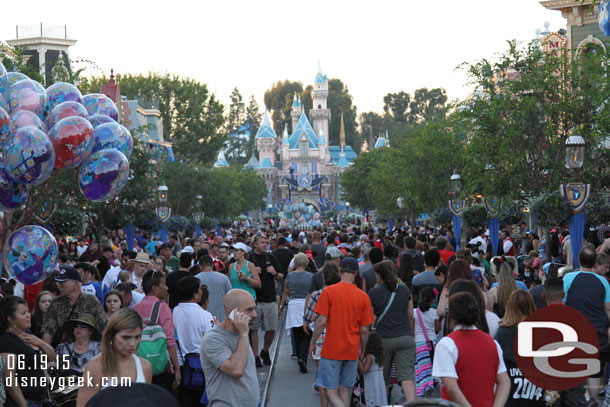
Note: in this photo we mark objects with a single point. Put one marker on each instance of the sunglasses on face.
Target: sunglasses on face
(81, 326)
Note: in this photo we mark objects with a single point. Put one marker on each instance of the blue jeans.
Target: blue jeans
(332, 372)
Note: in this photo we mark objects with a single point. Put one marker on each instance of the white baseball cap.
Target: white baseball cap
(241, 246)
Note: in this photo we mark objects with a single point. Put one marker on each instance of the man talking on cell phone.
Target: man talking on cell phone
(226, 357)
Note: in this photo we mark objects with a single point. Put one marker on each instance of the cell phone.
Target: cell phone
(232, 315)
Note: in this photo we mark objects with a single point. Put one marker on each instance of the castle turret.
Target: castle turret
(320, 114)
(297, 108)
(266, 143)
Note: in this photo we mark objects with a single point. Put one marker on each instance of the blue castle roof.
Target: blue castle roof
(221, 161)
(320, 77)
(252, 163)
(266, 131)
(303, 127)
(266, 163)
(382, 142)
(335, 152)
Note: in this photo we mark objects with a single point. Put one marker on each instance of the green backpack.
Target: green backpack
(153, 346)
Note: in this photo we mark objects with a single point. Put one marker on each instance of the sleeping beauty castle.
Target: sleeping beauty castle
(302, 167)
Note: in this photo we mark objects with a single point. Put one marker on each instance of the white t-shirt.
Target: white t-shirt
(111, 277)
(428, 319)
(191, 322)
(493, 322)
(446, 356)
(507, 245)
(81, 250)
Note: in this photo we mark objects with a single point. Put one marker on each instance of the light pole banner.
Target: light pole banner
(494, 233)
(457, 230)
(577, 230)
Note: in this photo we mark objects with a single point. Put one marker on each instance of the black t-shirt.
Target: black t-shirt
(522, 392)
(320, 253)
(103, 266)
(267, 291)
(32, 368)
(283, 256)
(395, 323)
(172, 280)
(536, 293)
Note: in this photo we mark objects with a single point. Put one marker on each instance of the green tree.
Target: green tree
(278, 100)
(397, 105)
(425, 104)
(424, 161)
(192, 116)
(253, 118)
(236, 146)
(524, 106)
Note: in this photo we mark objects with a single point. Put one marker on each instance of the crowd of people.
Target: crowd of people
(364, 307)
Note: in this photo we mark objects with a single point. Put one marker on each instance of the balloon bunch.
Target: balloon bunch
(43, 130)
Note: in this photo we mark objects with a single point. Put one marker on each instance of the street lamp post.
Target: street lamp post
(456, 206)
(198, 216)
(163, 212)
(576, 193)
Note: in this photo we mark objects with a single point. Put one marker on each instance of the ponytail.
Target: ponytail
(386, 270)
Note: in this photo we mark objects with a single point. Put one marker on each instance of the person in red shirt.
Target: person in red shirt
(346, 313)
(441, 244)
(468, 361)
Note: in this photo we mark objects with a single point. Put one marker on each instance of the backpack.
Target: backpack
(153, 346)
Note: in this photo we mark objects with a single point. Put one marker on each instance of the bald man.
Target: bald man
(226, 356)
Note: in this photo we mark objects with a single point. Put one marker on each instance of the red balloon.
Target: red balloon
(5, 121)
(73, 141)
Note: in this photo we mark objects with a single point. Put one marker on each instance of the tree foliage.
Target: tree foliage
(225, 191)
(253, 119)
(278, 100)
(236, 146)
(192, 116)
(425, 105)
(474, 216)
(418, 170)
(551, 209)
(524, 106)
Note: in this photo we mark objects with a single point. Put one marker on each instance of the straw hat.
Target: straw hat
(83, 318)
(142, 257)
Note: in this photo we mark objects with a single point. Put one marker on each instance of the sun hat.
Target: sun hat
(83, 318)
(142, 257)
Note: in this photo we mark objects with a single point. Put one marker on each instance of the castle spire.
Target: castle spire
(342, 133)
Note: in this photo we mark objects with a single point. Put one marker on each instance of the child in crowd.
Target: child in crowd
(125, 277)
(426, 323)
(371, 366)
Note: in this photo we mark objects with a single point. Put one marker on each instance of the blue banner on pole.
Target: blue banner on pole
(390, 226)
(494, 233)
(130, 231)
(163, 233)
(577, 230)
(197, 230)
(457, 230)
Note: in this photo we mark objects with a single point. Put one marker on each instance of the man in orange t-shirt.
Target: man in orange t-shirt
(346, 313)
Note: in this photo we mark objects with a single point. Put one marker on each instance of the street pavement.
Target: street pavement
(290, 387)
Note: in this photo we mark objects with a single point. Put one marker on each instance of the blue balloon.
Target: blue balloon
(27, 95)
(25, 118)
(113, 135)
(3, 103)
(98, 119)
(104, 175)
(30, 254)
(12, 195)
(3, 79)
(97, 103)
(62, 92)
(29, 157)
(13, 78)
(63, 110)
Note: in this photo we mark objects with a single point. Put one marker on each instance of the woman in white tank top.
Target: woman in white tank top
(118, 363)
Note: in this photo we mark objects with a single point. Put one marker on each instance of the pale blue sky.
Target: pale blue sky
(373, 47)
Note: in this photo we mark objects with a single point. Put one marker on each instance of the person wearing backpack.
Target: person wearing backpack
(158, 344)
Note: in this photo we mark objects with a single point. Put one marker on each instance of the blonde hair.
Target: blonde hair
(122, 320)
(301, 260)
(518, 307)
(506, 285)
